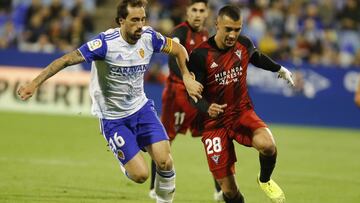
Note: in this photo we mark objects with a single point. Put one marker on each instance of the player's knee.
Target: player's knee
(265, 144)
(165, 164)
(140, 176)
(269, 149)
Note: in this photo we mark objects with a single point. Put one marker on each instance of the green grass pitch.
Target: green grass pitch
(64, 159)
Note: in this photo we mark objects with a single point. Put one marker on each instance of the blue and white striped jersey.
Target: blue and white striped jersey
(117, 71)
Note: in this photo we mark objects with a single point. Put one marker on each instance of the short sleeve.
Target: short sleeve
(95, 49)
(158, 41)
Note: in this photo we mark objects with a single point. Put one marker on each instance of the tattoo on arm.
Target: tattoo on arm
(69, 59)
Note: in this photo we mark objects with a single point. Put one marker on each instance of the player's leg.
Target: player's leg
(168, 120)
(165, 173)
(152, 137)
(152, 193)
(264, 142)
(221, 158)
(123, 144)
(252, 131)
(230, 190)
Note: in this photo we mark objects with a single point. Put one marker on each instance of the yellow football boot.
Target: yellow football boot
(272, 190)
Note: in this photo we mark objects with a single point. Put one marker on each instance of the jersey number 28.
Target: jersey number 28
(213, 145)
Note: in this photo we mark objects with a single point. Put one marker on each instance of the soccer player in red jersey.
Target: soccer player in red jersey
(220, 64)
(177, 112)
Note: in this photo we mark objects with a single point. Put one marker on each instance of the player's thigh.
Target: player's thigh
(220, 152)
(121, 140)
(153, 138)
(149, 128)
(160, 153)
(246, 127)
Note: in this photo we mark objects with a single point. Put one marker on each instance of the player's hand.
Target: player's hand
(193, 87)
(216, 109)
(27, 91)
(286, 75)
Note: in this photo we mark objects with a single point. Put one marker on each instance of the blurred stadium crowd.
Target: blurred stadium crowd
(318, 32)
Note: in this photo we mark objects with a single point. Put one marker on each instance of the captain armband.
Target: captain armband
(168, 46)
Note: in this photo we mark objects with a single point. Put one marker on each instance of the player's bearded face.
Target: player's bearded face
(196, 15)
(133, 24)
(228, 30)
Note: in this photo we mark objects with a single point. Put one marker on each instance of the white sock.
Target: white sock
(165, 186)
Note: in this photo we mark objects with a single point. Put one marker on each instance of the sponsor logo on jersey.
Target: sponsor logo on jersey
(229, 76)
(127, 70)
(238, 53)
(214, 65)
(141, 52)
(94, 44)
(215, 158)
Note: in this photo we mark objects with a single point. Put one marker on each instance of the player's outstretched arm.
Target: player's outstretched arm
(72, 58)
(193, 87)
(262, 61)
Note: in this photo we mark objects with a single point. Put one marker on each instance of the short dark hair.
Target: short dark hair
(198, 1)
(122, 11)
(231, 11)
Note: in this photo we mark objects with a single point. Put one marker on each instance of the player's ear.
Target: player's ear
(117, 20)
(121, 21)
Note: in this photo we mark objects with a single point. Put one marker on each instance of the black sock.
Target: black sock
(217, 186)
(267, 165)
(237, 199)
(153, 172)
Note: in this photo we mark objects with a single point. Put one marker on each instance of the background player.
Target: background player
(129, 123)
(177, 112)
(221, 65)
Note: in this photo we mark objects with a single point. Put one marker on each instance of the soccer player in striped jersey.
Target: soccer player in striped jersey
(128, 119)
(220, 64)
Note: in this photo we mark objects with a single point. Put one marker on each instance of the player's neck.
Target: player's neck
(219, 43)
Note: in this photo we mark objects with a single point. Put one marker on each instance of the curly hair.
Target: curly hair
(122, 11)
